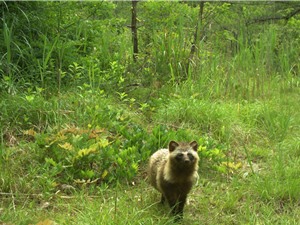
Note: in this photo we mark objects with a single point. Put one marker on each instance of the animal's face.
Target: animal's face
(184, 153)
(185, 157)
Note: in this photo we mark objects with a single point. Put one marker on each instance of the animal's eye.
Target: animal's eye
(191, 156)
(179, 156)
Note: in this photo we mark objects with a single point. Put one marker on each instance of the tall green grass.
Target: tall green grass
(241, 106)
(260, 70)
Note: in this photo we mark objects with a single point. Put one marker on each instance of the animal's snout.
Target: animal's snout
(187, 161)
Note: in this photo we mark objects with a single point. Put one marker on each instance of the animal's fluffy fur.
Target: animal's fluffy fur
(173, 171)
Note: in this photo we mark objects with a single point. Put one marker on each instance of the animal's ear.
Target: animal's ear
(194, 145)
(173, 145)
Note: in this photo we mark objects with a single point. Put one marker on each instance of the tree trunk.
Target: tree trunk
(196, 35)
(134, 30)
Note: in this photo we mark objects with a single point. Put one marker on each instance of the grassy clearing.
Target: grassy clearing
(260, 186)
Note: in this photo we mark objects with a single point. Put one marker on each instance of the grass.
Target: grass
(77, 155)
(262, 136)
(249, 152)
(215, 201)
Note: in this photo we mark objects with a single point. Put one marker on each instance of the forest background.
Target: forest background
(89, 90)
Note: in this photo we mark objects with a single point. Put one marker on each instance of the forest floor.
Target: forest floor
(262, 189)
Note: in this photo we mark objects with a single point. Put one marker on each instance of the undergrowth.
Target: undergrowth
(79, 119)
(85, 138)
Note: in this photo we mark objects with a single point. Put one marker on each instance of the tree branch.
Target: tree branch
(283, 17)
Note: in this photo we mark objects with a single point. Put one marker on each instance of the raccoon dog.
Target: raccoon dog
(172, 172)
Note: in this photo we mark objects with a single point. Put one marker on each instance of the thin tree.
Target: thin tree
(134, 29)
(197, 35)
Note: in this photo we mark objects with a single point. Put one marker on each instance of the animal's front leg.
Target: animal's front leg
(163, 199)
(181, 203)
(172, 200)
